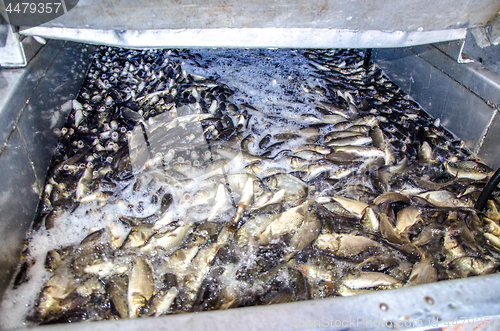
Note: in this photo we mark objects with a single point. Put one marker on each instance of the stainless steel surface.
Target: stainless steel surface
(259, 23)
(480, 36)
(465, 96)
(12, 54)
(15, 50)
(18, 201)
(494, 29)
(33, 104)
(383, 15)
(4, 27)
(20, 85)
(422, 307)
(472, 75)
(490, 148)
(487, 56)
(248, 37)
(17, 53)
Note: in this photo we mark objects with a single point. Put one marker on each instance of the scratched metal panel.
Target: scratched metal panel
(31, 107)
(18, 201)
(50, 103)
(461, 111)
(18, 86)
(248, 37)
(261, 23)
(387, 15)
(474, 75)
(490, 149)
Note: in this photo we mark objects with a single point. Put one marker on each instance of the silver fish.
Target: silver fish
(140, 287)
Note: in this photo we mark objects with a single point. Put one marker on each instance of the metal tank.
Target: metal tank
(432, 50)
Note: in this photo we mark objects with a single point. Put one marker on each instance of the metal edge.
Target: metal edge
(20, 88)
(24, 94)
(439, 94)
(249, 37)
(12, 55)
(472, 75)
(435, 305)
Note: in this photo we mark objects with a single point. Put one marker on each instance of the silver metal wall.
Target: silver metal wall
(464, 96)
(264, 23)
(33, 101)
(386, 15)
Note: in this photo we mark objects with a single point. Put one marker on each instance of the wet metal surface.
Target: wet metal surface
(354, 15)
(259, 23)
(249, 37)
(490, 149)
(18, 201)
(49, 105)
(20, 85)
(32, 103)
(439, 95)
(462, 95)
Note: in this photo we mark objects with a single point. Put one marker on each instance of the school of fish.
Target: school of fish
(221, 204)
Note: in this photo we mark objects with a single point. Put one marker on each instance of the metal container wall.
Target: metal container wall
(277, 23)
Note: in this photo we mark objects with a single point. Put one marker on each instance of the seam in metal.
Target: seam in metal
(38, 181)
(487, 102)
(21, 112)
(486, 130)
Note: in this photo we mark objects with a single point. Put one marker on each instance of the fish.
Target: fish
(161, 304)
(200, 266)
(169, 241)
(117, 290)
(423, 272)
(269, 198)
(245, 200)
(287, 222)
(360, 151)
(140, 287)
(370, 220)
(211, 194)
(82, 188)
(443, 199)
(344, 245)
(312, 147)
(315, 169)
(295, 189)
(304, 236)
(356, 208)
(406, 218)
(465, 174)
(350, 141)
(365, 279)
(222, 203)
(334, 135)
